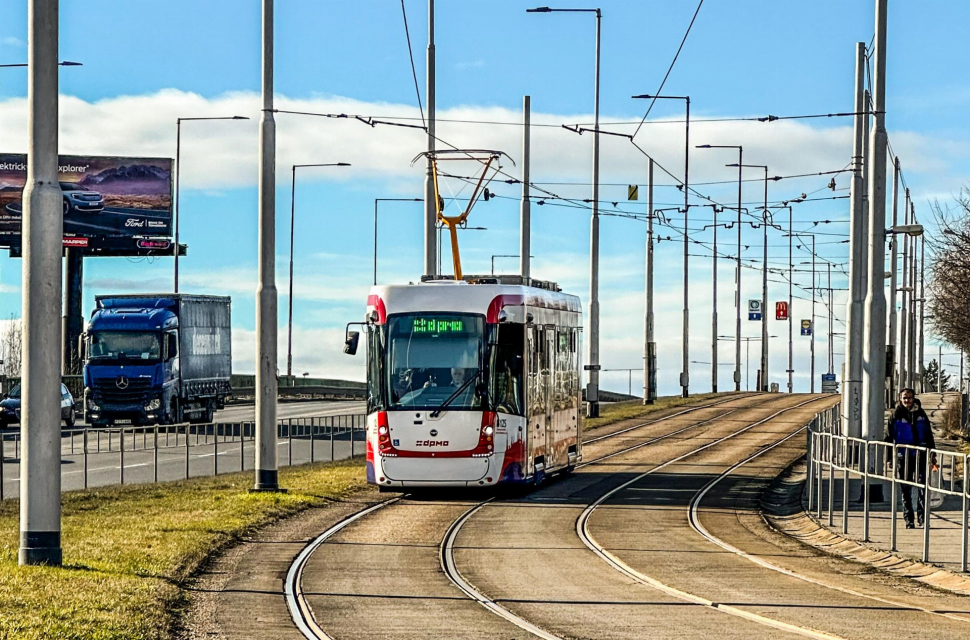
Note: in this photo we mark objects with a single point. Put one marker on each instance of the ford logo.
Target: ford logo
(434, 432)
(121, 382)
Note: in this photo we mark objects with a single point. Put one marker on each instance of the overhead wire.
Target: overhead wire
(670, 68)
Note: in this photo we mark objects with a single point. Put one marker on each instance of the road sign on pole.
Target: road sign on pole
(632, 192)
(754, 310)
(807, 327)
(781, 311)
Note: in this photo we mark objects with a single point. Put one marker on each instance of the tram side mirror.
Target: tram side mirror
(350, 342)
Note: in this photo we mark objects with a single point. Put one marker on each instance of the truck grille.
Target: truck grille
(135, 393)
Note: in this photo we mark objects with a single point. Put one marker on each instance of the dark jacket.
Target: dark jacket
(910, 427)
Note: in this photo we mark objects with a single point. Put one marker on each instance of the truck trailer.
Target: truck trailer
(156, 359)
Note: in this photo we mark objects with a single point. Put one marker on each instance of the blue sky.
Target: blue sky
(156, 61)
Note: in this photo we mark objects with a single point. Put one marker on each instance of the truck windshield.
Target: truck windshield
(429, 357)
(125, 345)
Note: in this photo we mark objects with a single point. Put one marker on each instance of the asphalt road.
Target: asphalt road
(662, 541)
(104, 459)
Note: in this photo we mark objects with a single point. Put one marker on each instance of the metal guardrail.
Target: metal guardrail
(82, 444)
(935, 472)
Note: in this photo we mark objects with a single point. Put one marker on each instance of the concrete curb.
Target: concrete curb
(783, 509)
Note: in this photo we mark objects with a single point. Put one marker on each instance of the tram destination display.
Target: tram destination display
(115, 204)
(437, 325)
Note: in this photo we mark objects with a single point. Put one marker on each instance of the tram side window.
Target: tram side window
(506, 369)
(375, 359)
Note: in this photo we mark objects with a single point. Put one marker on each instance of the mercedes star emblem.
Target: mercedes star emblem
(121, 382)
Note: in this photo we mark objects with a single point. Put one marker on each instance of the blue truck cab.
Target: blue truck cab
(156, 359)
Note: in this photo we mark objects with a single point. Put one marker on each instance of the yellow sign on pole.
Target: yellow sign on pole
(632, 192)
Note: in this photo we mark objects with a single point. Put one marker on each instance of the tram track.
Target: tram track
(693, 516)
(582, 530)
(302, 613)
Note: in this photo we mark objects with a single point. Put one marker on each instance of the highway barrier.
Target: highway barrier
(836, 460)
(159, 453)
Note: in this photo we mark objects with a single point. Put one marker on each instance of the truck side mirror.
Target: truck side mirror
(80, 347)
(350, 342)
(173, 345)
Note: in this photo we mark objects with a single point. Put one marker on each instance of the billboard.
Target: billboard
(107, 200)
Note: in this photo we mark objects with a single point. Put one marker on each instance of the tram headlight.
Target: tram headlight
(382, 430)
(489, 430)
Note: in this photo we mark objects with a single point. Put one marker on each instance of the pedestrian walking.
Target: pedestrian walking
(909, 425)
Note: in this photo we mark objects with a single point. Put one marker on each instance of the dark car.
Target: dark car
(10, 407)
(78, 200)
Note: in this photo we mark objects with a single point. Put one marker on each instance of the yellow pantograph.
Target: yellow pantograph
(487, 159)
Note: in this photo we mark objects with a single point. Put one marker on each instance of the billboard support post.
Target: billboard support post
(73, 320)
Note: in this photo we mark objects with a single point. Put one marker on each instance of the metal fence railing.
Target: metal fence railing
(835, 459)
(162, 453)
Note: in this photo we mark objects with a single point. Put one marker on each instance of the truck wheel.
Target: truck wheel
(210, 412)
(71, 419)
(175, 414)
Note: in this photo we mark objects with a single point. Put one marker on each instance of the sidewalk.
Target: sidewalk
(945, 520)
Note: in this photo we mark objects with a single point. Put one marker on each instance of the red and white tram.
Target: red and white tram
(473, 382)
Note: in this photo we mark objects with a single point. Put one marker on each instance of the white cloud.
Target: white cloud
(218, 155)
(11, 41)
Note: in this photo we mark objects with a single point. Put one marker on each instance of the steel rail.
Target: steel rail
(695, 523)
(673, 415)
(582, 530)
(300, 611)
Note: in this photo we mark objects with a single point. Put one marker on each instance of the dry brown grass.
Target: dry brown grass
(630, 409)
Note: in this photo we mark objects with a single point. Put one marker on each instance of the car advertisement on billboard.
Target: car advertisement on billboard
(103, 197)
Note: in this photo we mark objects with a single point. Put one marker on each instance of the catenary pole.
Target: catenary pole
(592, 391)
(852, 407)
(831, 324)
(874, 362)
(737, 277)
(791, 370)
(811, 386)
(904, 346)
(894, 240)
(40, 465)
(714, 302)
(922, 297)
(764, 295)
(525, 207)
(650, 346)
(685, 374)
(430, 204)
(267, 477)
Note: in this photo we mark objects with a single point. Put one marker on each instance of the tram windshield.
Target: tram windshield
(429, 357)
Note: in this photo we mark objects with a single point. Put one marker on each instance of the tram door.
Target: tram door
(539, 383)
(548, 384)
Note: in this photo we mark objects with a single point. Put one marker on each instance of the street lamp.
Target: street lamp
(592, 390)
(714, 211)
(737, 300)
(376, 200)
(289, 300)
(178, 167)
(685, 374)
(764, 278)
(913, 230)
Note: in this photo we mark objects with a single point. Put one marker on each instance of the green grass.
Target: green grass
(128, 549)
(630, 409)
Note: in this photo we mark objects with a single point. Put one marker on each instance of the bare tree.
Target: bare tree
(949, 286)
(11, 347)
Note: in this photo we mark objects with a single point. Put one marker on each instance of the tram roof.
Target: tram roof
(473, 294)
